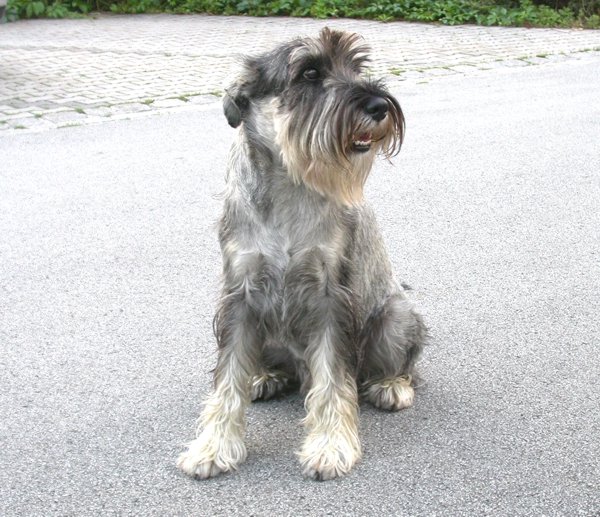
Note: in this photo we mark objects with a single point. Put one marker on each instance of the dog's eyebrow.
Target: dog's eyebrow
(303, 50)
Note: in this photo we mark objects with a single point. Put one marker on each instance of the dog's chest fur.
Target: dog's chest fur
(266, 213)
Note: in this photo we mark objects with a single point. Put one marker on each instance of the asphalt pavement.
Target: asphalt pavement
(109, 271)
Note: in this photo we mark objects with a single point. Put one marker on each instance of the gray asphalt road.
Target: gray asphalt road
(109, 271)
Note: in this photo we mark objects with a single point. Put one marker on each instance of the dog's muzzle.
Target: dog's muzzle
(376, 108)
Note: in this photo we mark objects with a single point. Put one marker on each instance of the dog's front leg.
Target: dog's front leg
(332, 446)
(319, 316)
(219, 446)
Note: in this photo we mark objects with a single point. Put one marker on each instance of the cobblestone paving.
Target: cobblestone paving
(56, 73)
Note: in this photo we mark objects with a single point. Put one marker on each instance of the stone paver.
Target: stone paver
(56, 73)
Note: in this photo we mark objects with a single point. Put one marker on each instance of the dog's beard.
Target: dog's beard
(331, 149)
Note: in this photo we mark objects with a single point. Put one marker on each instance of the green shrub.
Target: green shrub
(534, 13)
(47, 8)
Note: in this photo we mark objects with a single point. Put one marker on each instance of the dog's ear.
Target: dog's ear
(233, 112)
(236, 101)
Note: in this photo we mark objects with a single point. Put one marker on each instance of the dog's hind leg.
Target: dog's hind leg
(268, 385)
(319, 315)
(391, 342)
(219, 446)
(277, 374)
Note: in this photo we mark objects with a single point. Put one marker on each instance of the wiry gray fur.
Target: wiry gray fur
(308, 295)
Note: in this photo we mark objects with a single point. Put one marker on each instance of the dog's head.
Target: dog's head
(308, 103)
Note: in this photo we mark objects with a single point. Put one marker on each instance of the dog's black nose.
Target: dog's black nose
(377, 107)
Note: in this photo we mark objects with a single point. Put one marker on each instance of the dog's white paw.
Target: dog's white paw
(325, 457)
(391, 394)
(208, 455)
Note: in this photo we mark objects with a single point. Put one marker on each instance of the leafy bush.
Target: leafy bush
(534, 13)
(47, 9)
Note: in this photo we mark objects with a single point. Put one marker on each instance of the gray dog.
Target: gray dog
(308, 296)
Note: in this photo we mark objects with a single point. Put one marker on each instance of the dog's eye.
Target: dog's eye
(312, 74)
